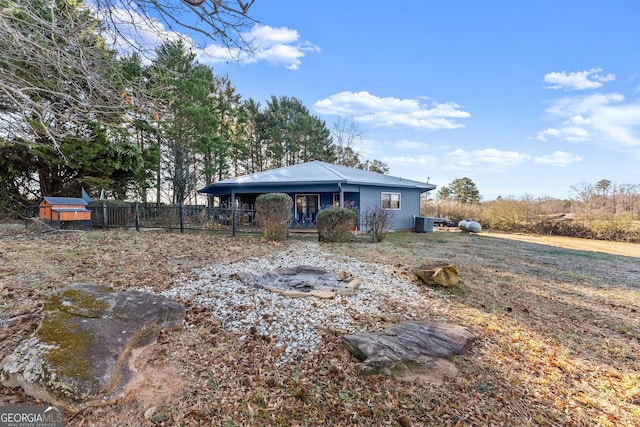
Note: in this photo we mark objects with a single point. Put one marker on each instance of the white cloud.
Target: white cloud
(599, 117)
(568, 133)
(413, 161)
(358, 103)
(275, 46)
(488, 158)
(267, 36)
(583, 106)
(286, 55)
(558, 158)
(579, 80)
(390, 112)
(406, 144)
(135, 33)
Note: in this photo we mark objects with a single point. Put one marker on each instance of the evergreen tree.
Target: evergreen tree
(255, 123)
(61, 102)
(444, 193)
(293, 136)
(184, 117)
(230, 146)
(460, 190)
(379, 166)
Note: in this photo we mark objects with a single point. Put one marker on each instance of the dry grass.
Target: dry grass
(609, 247)
(559, 334)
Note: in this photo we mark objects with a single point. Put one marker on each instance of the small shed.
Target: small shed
(66, 212)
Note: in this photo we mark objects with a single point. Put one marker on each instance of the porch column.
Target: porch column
(233, 212)
(341, 195)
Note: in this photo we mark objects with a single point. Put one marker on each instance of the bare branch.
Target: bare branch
(221, 21)
(56, 74)
(53, 68)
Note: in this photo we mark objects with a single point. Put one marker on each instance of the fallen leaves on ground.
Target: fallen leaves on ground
(559, 334)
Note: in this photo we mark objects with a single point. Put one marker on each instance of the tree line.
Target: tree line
(75, 115)
(602, 210)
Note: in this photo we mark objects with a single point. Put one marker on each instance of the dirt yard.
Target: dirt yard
(559, 332)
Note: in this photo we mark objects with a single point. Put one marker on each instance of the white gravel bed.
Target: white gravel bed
(297, 323)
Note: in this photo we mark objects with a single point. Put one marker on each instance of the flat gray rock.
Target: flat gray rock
(410, 349)
(80, 352)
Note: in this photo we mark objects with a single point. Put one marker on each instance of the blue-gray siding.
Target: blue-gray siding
(409, 204)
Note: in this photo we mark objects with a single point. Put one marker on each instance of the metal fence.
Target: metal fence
(138, 216)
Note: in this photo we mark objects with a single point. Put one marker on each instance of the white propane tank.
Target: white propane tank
(469, 226)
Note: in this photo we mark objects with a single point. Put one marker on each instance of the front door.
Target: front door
(307, 207)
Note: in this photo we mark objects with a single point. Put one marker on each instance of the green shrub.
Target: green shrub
(335, 224)
(273, 211)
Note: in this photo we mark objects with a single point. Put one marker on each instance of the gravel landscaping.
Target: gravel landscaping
(558, 329)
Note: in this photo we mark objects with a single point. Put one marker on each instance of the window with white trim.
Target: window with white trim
(390, 201)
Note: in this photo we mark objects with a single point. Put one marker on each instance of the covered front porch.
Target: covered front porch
(316, 185)
(304, 212)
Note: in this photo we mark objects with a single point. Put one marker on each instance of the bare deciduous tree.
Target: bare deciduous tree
(57, 72)
(54, 73)
(222, 21)
(345, 135)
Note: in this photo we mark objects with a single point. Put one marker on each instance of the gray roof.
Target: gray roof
(315, 172)
(71, 210)
(65, 201)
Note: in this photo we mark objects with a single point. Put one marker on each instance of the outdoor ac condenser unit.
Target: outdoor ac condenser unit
(423, 225)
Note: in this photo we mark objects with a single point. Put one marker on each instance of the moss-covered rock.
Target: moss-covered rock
(81, 349)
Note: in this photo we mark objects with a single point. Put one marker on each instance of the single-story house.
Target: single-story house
(317, 185)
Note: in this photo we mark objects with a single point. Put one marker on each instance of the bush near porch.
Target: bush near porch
(336, 224)
(274, 213)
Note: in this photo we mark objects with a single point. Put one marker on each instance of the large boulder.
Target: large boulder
(80, 353)
(412, 348)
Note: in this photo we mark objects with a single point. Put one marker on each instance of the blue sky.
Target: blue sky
(523, 98)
